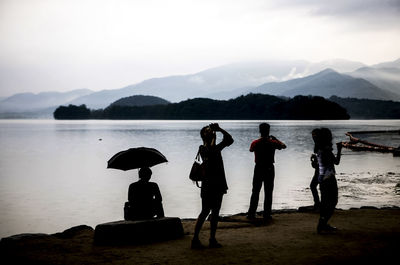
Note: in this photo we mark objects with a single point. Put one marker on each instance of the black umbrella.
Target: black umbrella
(136, 158)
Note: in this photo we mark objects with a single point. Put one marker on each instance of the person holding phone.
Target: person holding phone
(264, 170)
(327, 176)
(214, 185)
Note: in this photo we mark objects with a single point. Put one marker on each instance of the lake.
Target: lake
(53, 174)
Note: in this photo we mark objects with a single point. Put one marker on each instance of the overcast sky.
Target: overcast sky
(60, 45)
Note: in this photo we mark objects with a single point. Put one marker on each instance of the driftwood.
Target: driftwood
(357, 144)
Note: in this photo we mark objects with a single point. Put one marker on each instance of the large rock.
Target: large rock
(137, 232)
(20, 237)
(73, 231)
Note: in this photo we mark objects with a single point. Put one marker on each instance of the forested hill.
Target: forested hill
(369, 108)
(251, 107)
(139, 101)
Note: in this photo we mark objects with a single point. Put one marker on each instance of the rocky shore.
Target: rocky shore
(365, 236)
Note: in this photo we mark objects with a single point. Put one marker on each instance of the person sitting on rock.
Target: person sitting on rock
(144, 198)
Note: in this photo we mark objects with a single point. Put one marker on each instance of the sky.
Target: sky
(61, 45)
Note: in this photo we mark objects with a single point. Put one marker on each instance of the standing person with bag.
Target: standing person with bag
(327, 180)
(214, 184)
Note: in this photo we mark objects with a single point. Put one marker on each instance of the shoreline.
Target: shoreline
(223, 218)
(367, 235)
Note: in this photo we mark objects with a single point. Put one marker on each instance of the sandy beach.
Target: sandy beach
(365, 236)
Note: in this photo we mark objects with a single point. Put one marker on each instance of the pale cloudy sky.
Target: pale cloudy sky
(60, 45)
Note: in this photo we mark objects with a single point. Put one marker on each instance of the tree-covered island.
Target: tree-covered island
(249, 107)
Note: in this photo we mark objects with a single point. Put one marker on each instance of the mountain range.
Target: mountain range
(222, 82)
(328, 83)
(284, 78)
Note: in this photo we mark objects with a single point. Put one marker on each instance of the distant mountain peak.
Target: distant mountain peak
(326, 71)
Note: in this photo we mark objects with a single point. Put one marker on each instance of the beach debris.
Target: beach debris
(358, 144)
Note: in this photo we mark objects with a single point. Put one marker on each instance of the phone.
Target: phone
(214, 126)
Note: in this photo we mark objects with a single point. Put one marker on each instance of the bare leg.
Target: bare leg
(200, 221)
(196, 244)
(214, 222)
(314, 191)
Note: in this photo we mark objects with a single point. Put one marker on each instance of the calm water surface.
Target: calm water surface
(53, 174)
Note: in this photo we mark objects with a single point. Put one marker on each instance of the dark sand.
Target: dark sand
(365, 236)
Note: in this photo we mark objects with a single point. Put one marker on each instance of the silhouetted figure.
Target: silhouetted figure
(327, 180)
(264, 170)
(214, 185)
(144, 198)
(314, 181)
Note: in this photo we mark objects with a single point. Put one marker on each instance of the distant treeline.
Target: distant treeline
(72, 112)
(369, 108)
(249, 107)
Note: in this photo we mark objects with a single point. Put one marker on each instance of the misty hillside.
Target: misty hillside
(24, 102)
(139, 101)
(222, 82)
(326, 84)
(392, 64)
(385, 78)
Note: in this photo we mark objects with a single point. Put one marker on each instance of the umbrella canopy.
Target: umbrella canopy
(136, 158)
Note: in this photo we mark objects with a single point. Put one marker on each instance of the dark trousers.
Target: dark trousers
(266, 174)
(329, 198)
(141, 212)
(313, 186)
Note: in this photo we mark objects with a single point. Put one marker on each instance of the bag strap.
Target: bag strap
(198, 159)
(197, 184)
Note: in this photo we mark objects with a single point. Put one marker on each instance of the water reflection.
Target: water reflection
(54, 176)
